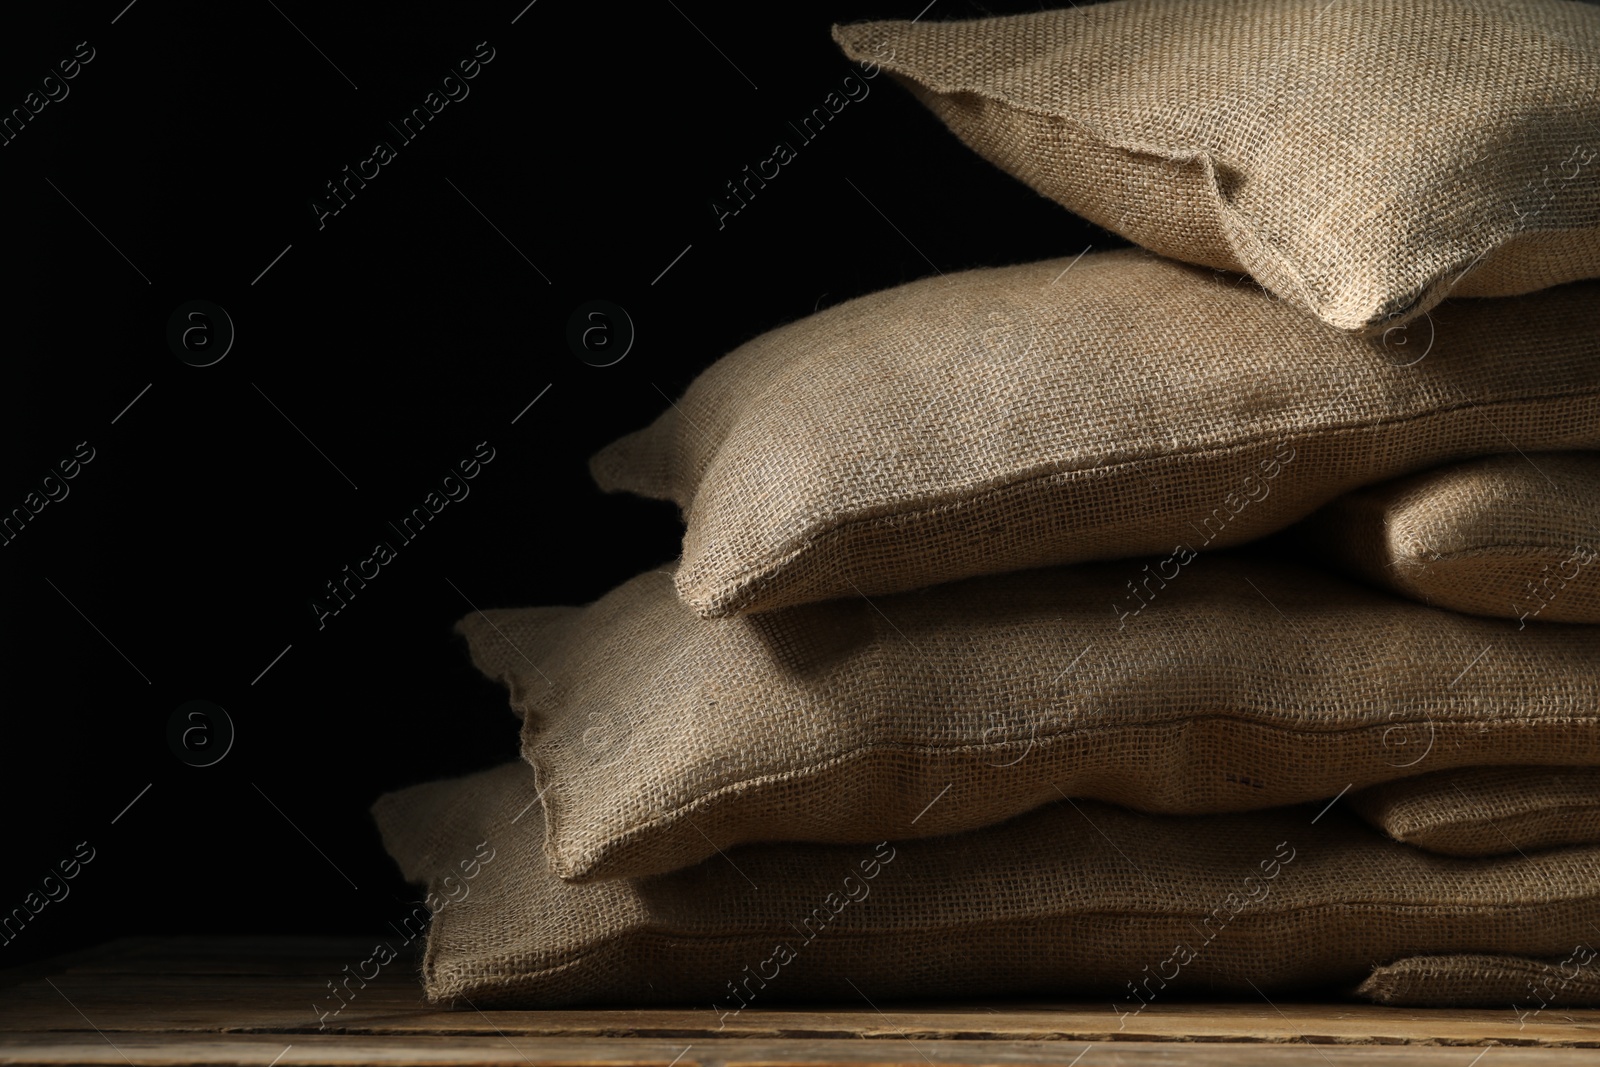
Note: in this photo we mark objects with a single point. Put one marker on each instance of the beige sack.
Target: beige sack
(1054, 413)
(1361, 159)
(1074, 900)
(1527, 987)
(1487, 811)
(1219, 683)
(1514, 536)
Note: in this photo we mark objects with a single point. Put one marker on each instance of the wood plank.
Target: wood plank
(393, 1005)
(251, 1001)
(149, 1050)
(62, 962)
(157, 1002)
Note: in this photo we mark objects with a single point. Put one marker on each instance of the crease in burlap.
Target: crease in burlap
(1075, 899)
(1362, 159)
(1514, 536)
(1018, 417)
(1487, 811)
(660, 737)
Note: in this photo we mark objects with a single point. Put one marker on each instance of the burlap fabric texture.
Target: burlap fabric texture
(1524, 986)
(1075, 899)
(1487, 811)
(1516, 536)
(1360, 159)
(1057, 412)
(661, 737)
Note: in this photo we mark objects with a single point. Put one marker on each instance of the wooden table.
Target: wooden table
(250, 1001)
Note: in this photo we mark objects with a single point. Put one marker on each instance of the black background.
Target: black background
(391, 340)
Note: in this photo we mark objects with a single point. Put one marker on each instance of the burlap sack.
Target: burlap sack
(1526, 987)
(661, 737)
(1075, 899)
(1516, 536)
(1020, 417)
(1487, 811)
(1361, 159)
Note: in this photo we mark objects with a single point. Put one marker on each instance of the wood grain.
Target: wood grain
(250, 1001)
(262, 1051)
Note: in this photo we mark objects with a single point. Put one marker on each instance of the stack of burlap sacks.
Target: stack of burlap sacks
(962, 686)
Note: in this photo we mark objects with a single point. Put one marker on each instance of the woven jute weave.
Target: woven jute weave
(1073, 899)
(1527, 987)
(1487, 811)
(1517, 536)
(1361, 159)
(1059, 412)
(661, 737)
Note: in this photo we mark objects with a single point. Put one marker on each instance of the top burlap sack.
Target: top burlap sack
(1360, 159)
(1058, 412)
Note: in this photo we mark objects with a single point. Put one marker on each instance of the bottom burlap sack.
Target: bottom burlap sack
(1487, 811)
(1527, 987)
(1074, 899)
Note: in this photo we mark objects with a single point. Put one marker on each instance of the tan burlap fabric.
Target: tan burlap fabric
(661, 737)
(1529, 988)
(1516, 536)
(1361, 159)
(1018, 417)
(1487, 811)
(1075, 899)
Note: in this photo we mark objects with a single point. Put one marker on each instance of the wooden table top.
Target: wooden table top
(236, 1000)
